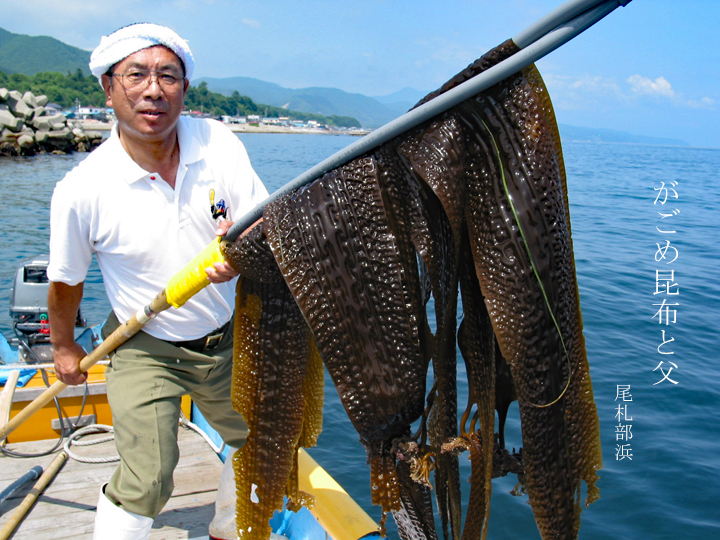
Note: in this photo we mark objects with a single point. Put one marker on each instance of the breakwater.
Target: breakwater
(28, 127)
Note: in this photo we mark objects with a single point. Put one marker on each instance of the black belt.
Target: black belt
(208, 342)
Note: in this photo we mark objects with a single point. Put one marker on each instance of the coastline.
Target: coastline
(93, 125)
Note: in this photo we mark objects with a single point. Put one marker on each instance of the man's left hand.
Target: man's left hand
(220, 272)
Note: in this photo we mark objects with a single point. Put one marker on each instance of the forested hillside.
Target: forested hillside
(34, 54)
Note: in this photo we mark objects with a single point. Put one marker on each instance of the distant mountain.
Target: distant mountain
(29, 55)
(34, 54)
(371, 112)
(376, 111)
(401, 101)
(584, 134)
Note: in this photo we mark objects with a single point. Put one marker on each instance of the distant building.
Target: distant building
(253, 119)
(91, 113)
(226, 119)
(87, 112)
(196, 114)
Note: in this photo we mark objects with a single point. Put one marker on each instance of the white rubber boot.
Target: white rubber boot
(114, 523)
(223, 527)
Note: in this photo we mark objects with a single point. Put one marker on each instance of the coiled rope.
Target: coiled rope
(89, 430)
(102, 428)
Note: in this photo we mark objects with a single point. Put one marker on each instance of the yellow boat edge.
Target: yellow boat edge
(335, 510)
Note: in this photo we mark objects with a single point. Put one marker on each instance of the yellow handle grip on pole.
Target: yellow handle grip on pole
(193, 278)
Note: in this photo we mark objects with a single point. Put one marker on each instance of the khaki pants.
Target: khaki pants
(145, 383)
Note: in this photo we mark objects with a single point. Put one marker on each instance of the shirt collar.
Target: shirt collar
(190, 152)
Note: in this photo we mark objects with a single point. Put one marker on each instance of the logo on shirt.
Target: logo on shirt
(217, 209)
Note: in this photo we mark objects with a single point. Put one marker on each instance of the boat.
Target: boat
(83, 411)
(30, 347)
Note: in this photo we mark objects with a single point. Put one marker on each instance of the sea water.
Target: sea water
(660, 484)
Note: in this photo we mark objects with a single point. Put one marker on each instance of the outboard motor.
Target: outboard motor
(29, 312)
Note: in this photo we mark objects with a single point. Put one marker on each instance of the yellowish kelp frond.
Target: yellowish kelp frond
(314, 393)
(276, 406)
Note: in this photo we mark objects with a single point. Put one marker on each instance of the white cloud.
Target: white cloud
(596, 92)
(644, 86)
(661, 88)
(704, 103)
(587, 92)
(251, 23)
(596, 85)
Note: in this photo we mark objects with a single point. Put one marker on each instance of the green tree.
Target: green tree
(59, 88)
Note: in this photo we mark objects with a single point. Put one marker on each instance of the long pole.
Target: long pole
(7, 394)
(539, 39)
(113, 341)
(536, 41)
(31, 497)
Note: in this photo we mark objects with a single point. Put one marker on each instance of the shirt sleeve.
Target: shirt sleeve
(70, 248)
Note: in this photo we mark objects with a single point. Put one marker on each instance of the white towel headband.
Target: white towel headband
(131, 39)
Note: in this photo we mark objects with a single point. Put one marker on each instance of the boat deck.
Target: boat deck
(66, 509)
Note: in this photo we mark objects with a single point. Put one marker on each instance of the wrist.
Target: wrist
(63, 345)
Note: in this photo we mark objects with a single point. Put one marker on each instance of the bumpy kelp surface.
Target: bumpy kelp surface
(277, 386)
(333, 243)
(473, 201)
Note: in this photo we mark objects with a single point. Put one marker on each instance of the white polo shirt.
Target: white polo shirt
(143, 232)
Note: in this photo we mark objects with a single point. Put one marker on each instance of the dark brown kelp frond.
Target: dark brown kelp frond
(432, 157)
(341, 262)
(251, 256)
(523, 258)
(476, 196)
(415, 518)
(477, 344)
(581, 414)
(334, 245)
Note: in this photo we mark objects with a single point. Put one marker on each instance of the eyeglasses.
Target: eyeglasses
(137, 80)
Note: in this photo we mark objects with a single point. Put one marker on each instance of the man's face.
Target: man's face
(148, 111)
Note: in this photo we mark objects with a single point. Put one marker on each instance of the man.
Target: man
(146, 202)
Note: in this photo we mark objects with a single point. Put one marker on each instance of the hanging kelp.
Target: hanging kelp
(277, 386)
(474, 200)
(334, 245)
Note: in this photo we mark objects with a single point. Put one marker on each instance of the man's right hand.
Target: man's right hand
(67, 363)
(63, 304)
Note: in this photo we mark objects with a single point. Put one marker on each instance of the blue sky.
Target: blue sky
(651, 68)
